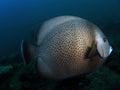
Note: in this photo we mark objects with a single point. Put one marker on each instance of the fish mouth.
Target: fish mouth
(110, 50)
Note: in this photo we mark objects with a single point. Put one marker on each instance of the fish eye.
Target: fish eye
(104, 39)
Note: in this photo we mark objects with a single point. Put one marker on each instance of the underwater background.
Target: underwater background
(20, 18)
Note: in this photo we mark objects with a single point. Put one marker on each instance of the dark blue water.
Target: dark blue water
(19, 18)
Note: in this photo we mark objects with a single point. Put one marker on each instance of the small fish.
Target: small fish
(66, 46)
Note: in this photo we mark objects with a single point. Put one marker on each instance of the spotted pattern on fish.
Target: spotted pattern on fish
(66, 47)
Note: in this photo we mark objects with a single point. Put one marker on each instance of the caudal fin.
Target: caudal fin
(27, 51)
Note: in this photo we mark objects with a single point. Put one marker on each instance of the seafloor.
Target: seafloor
(14, 75)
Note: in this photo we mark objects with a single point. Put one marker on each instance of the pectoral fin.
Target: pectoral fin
(91, 51)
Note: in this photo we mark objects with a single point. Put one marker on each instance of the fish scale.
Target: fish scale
(69, 45)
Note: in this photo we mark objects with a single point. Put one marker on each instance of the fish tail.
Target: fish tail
(27, 52)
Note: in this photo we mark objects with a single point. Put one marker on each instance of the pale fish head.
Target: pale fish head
(103, 46)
